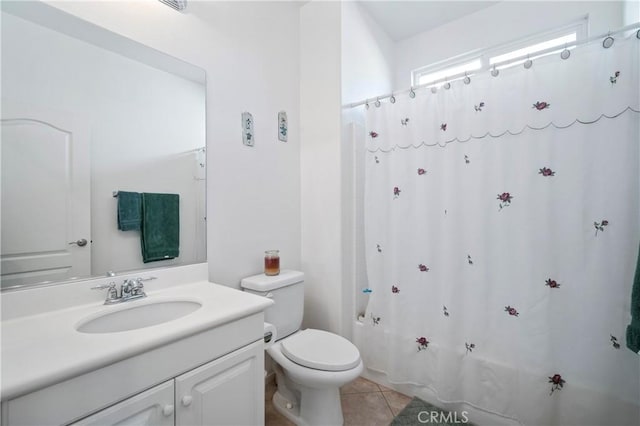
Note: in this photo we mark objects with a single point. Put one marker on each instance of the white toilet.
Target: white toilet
(311, 365)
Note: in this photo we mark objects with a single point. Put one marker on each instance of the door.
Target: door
(227, 391)
(153, 407)
(45, 196)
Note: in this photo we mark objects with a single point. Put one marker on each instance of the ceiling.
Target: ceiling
(403, 19)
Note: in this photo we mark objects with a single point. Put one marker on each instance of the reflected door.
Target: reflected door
(45, 196)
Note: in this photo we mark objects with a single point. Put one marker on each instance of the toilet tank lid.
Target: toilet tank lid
(264, 283)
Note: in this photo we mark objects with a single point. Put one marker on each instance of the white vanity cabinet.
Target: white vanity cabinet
(227, 391)
(217, 377)
(203, 368)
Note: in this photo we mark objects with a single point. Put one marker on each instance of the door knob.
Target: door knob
(79, 243)
(186, 400)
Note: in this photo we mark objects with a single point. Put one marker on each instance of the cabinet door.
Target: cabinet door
(227, 391)
(153, 407)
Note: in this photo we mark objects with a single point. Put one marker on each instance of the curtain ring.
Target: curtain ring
(638, 34)
(467, 79)
(366, 105)
(565, 53)
(447, 85)
(434, 89)
(494, 71)
(412, 94)
(377, 103)
(608, 41)
(392, 99)
(528, 63)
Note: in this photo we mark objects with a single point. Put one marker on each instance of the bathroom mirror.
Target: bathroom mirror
(87, 113)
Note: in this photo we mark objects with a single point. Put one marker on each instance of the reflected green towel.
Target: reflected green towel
(129, 211)
(160, 236)
(633, 329)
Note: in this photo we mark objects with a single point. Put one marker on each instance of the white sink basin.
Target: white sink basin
(136, 317)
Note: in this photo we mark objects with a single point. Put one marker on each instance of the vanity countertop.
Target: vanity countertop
(44, 349)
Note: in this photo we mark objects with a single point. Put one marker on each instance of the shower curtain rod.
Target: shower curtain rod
(607, 41)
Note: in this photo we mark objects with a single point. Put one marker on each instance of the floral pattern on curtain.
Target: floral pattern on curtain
(502, 220)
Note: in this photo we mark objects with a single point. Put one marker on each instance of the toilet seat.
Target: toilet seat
(321, 350)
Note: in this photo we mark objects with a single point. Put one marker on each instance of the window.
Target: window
(500, 56)
(474, 65)
(531, 50)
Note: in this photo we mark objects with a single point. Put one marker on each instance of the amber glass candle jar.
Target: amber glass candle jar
(272, 262)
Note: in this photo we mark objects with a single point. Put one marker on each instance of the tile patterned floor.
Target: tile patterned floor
(364, 403)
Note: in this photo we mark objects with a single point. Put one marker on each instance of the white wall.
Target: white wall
(320, 159)
(367, 55)
(631, 12)
(250, 53)
(504, 22)
(139, 134)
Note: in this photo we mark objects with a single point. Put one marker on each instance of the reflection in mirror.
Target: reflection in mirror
(82, 120)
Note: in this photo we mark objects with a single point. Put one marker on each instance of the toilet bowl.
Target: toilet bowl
(310, 365)
(309, 381)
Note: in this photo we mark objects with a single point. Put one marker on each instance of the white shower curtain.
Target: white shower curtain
(501, 231)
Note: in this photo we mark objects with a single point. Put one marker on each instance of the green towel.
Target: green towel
(633, 329)
(129, 211)
(160, 236)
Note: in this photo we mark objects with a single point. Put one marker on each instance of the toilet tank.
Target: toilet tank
(287, 292)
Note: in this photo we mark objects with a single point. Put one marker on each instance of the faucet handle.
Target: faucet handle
(104, 286)
(138, 286)
(112, 292)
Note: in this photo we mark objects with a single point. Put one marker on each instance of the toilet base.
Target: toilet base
(306, 396)
(292, 414)
(314, 405)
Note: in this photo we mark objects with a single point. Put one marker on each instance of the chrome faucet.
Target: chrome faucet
(126, 289)
(129, 290)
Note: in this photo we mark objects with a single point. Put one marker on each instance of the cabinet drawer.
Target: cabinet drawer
(153, 407)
